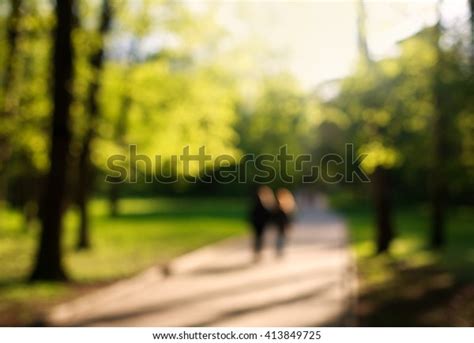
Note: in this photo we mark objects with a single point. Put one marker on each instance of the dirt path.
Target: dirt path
(314, 284)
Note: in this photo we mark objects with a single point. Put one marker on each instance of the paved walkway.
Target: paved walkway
(314, 284)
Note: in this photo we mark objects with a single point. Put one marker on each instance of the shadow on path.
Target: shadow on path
(314, 284)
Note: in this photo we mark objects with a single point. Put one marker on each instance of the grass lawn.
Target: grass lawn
(147, 232)
(414, 286)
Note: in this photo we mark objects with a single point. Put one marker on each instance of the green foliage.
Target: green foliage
(27, 101)
(278, 117)
(390, 106)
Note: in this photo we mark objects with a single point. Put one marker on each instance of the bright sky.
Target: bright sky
(317, 40)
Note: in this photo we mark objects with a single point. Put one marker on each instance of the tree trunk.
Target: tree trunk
(6, 107)
(437, 215)
(383, 215)
(114, 199)
(362, 45)
(439, 189)
(120, 130)
(380, 177)
(85, 166)
(48, 265)
(84, 177)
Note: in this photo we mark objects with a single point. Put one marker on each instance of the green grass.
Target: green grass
(147, 232)
(410, 246)
(412, 284)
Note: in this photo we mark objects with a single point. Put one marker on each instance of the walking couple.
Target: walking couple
(270, 208)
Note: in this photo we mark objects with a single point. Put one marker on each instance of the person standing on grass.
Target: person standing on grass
(262, 212)
(283, 215)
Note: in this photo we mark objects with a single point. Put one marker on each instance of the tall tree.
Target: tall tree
(380, 176)
(439, 189)
(119, 136)
(48, 264)
(86, 177)
(121, 122)
(120, 130)
(8, 95)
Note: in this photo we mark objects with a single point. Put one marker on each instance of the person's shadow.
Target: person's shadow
(222, 269)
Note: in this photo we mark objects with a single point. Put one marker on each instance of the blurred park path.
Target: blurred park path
(314, 284)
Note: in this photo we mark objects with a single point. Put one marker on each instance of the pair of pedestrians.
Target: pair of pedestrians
(271, 208)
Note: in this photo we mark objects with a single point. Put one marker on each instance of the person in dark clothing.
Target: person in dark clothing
(261, 214)
(283, 216)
